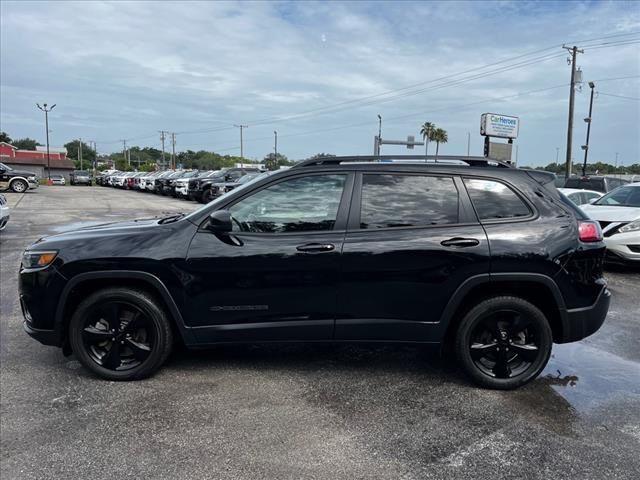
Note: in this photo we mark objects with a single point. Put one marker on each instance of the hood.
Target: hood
(145, 239)
(606, 213)
(22, 173)
(80, 229)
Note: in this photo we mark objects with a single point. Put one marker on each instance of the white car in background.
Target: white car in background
(581, 197)
(4, 212)
(618, 213)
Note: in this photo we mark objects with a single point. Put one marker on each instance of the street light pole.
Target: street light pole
(275, 146)
(46, 123)
(379, 134)
(588, 120)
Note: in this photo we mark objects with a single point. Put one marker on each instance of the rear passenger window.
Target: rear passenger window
(494, 200)
(407, 201)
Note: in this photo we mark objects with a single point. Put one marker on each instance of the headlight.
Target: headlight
(31, 179)
(38, 259)
(630, 227)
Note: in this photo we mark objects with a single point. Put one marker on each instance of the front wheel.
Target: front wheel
(19, 186)
(504, 342)
(207, 196)
(121, 334)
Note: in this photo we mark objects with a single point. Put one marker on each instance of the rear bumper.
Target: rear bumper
(582, 322)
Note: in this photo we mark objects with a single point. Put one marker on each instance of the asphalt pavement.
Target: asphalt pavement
(303, 411)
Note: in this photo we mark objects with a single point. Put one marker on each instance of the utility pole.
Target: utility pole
(46, 124)
(124, 150)
(572, 93)
(468, 143)
(557, 153)
(585, 147)
(241, 127)
(80, 153)
(173, 149)
(162, 137)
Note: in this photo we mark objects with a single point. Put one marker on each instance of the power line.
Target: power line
(618, 96)
(410, 90)
(403, 117)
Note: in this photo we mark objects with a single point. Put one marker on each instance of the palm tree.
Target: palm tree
(427, 131)
(439, 136)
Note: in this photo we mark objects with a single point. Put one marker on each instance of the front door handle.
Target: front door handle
(315, 247)
(460, 242)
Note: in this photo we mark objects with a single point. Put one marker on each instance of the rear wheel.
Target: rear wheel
(121, 334)
(504, 342)
(19, 186)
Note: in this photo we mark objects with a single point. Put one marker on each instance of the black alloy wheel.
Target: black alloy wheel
(207, 196)
(504, 342)
(121, 334)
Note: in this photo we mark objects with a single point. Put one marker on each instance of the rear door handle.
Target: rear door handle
(315, 247)
(460, 242)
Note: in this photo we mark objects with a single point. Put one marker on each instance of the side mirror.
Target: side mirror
(219, 222)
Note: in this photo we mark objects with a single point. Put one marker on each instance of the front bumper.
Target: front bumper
(582, 322)
(4, 217)
(624, 245)
(34, 185)
(182, 190)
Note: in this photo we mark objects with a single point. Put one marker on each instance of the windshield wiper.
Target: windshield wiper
(171, 218)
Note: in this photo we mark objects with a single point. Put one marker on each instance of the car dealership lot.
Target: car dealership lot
(310, 411)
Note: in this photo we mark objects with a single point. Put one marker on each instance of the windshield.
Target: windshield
(621, 197)
(81, 172)
(6, 167)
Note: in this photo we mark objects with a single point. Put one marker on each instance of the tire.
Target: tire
(140, 324)
(207, 196)
(19, 186)
(503, 342)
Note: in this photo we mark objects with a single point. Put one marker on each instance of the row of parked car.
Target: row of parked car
(198, 185)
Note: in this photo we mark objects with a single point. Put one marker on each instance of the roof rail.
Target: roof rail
(426, 159)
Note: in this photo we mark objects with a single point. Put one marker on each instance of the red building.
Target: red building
(36, 160)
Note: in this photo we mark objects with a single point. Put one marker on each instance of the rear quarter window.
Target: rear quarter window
(494, 200)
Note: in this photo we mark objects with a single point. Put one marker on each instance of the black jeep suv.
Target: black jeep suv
(487, 258)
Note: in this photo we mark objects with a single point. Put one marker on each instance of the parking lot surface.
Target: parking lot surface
(303, 411)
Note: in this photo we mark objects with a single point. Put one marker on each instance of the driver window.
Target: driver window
(300, 204)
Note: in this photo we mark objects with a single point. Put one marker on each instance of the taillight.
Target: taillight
(589, 232)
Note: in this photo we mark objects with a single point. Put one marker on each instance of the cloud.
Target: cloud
(125, 69)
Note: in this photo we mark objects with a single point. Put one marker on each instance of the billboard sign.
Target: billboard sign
(502, 126)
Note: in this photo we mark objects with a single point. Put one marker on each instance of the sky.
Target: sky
(319, 74)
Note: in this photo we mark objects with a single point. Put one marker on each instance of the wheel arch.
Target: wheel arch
(79, 286)
(13, 179)
(536, 288)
